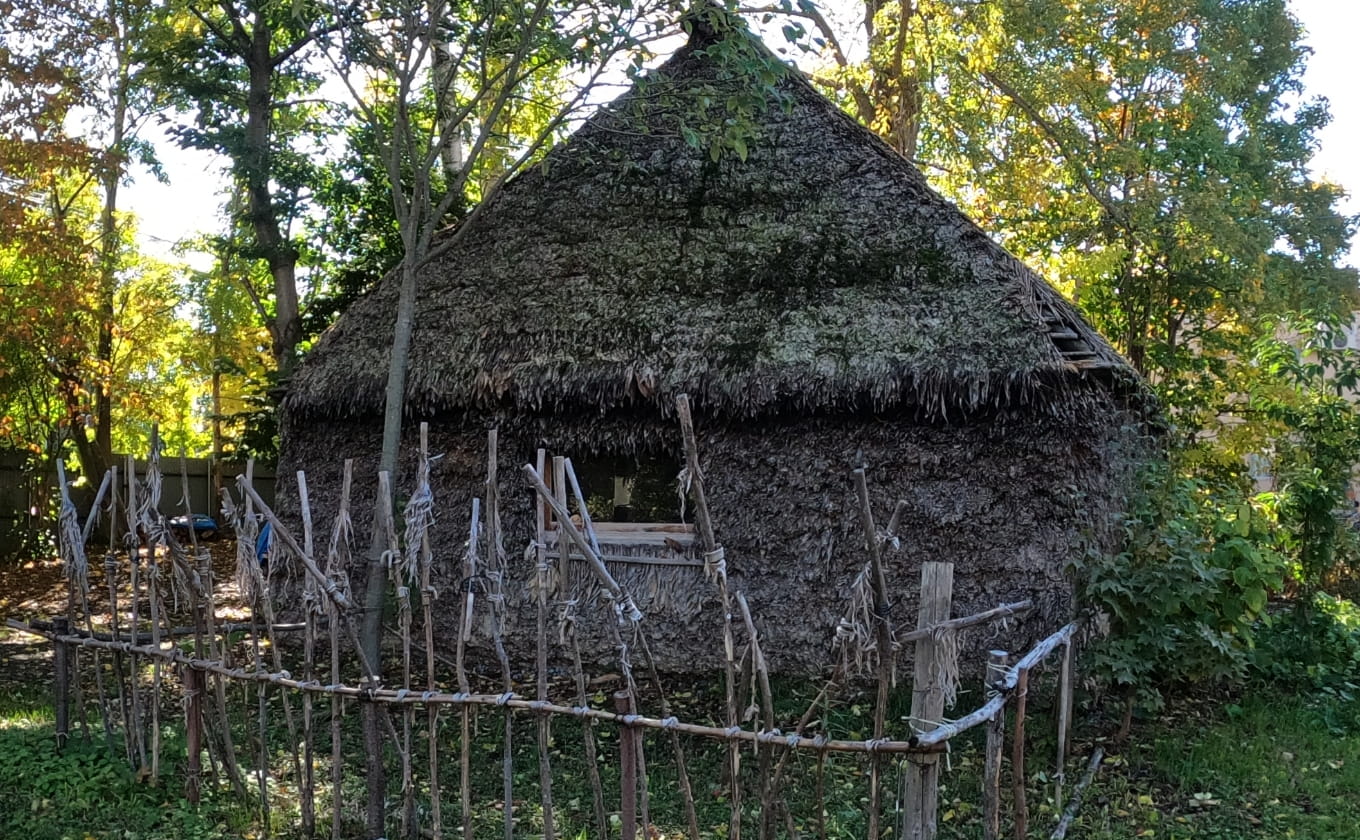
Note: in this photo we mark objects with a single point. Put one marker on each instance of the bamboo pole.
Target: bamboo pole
(331, 588)
(76, 569)
(883, 642)
(221, 731)
(156, 606)
(198, 597)
(625, 610)
(681, 766)
(821, 795)
(996, 736)
(623, 706)
(193, 732)
(718, 567)
(61, 683)
(588, 727)
(93, 515)
(927, 701)
(763, 759)
(111, 579)
(83, 591)
(578, 670)
(217, 649)
(1006, 686)
(1018, 759)
(153, 592)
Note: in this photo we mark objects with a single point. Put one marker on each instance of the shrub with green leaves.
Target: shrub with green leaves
(1184, 591)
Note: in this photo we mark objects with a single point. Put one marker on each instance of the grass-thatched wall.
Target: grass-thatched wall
(1010, 503)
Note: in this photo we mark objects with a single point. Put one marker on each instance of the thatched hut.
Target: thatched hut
(821, 305)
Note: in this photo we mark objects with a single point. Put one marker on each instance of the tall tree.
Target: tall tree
(84, 50)
(242, 68)
(1152, 156)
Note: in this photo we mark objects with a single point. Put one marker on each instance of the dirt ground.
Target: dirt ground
(36, 589)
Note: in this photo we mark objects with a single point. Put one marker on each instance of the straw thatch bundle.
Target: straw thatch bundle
(820, 304)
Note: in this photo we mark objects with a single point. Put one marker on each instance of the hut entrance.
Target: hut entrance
(633, 506)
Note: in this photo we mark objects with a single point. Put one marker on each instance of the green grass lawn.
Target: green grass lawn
(1263, 766)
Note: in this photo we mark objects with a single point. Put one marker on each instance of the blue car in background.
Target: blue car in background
(204, 526)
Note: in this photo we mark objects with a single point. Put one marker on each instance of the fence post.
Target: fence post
(623, 705)
(62, 680)
(1064, 723)
(1018, 758)
(193, 732)
(996, 738)
(927, 702)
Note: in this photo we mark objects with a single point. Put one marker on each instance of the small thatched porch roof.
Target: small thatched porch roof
(820, 273)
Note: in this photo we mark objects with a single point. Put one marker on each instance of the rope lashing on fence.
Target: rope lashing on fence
(715, 564)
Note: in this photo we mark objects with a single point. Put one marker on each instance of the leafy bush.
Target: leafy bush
(1183, 593)
(1312, 650)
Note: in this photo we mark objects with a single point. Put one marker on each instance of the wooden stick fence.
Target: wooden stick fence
(204, 674)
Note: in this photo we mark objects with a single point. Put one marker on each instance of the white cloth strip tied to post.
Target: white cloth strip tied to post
(70, 537)
(419, 516)
(945, 670)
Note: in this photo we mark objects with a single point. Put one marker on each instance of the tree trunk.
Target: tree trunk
(102, 453)
(285, 331)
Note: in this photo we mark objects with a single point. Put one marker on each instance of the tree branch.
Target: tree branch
(1050, 131)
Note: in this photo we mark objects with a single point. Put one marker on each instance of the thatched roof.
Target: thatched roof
(820, 273)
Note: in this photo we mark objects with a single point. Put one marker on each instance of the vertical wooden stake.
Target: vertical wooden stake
(61, 682)
(591, 754)
(470, 571)
(1018, 759)
(541, 676)
(927, 701)
(623, 705)
(427, 596)
(339, 535)
(883, 642)
(307, 784)
(704, 522)
(193, 732)
(135, 555)
(1064, 723)
(996, 737)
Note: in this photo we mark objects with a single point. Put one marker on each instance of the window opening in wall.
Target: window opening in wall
(630, 489)
(634, 507)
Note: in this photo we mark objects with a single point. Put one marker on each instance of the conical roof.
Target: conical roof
(820, 272)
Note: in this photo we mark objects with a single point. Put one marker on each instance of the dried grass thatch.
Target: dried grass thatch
(821, 272)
